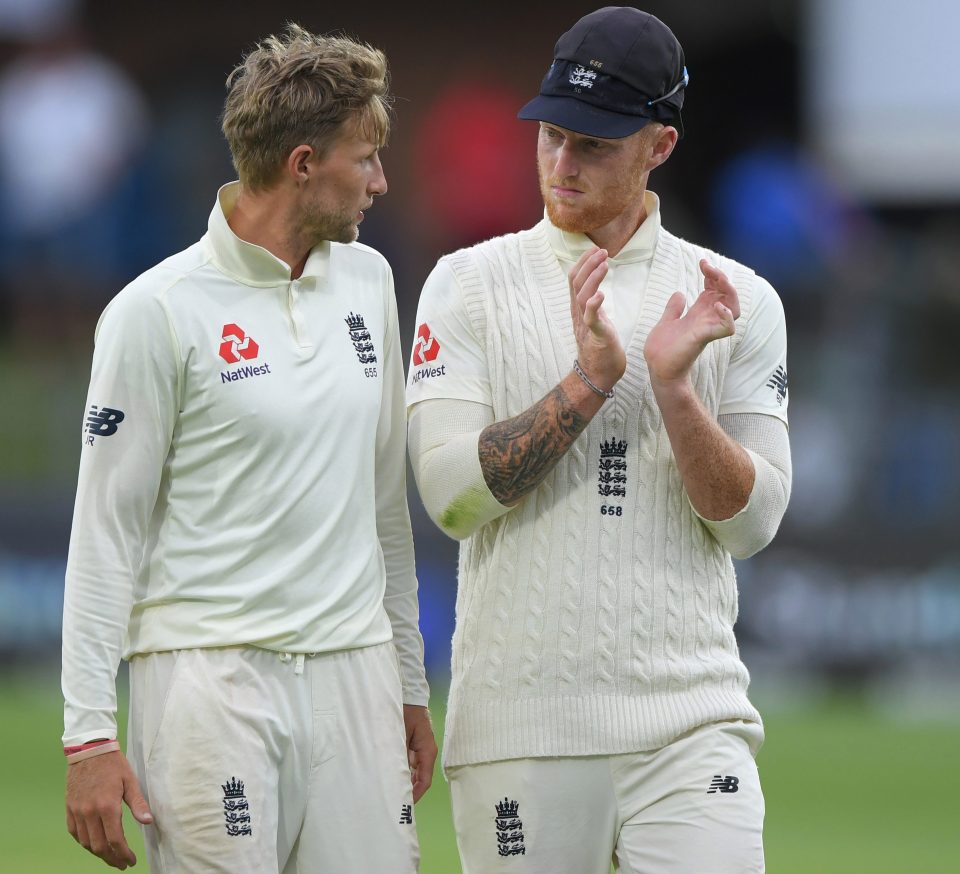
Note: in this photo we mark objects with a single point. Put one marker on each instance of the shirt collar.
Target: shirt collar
(640, 247)
(249, 263)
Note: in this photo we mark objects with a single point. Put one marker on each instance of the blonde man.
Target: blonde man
(241, 532)
(598, 411)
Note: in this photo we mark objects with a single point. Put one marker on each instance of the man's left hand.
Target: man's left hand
(677, 340)
(421, 747)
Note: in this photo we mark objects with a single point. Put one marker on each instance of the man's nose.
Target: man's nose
(378, 184)
(566, 165)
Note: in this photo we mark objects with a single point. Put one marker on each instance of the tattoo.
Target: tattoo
(516, 454)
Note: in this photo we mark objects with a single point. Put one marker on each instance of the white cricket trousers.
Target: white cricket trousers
(257, 762)
(691, 807)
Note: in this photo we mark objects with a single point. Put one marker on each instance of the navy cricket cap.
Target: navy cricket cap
(613, 72)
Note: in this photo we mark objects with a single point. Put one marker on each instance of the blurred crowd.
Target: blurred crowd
(110, 157)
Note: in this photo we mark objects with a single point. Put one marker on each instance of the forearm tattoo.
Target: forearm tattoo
(516, 454)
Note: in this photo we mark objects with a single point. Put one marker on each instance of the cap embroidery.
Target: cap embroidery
(581, 76)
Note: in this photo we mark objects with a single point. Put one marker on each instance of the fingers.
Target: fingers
(712, 276)
(95, 788)
(421, 748)
(423, 761)
(79, 832)
(674, 308)
(92, 835)
(422, 756)
(135, 800)
(422, 777)
(591, 308)
(586, 264)
(715, 282)
(586, 275)
(727, 320)
(116, 840)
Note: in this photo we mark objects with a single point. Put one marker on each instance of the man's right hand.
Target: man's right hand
(95, 789)
(599, 349)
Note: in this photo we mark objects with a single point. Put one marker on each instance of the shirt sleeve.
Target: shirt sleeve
(756, 380)
(393, 517)
(766, 441)
(443, 437)
(448, 359)
(132, 407)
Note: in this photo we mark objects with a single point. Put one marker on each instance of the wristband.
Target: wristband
(594, 388)
(88, 751)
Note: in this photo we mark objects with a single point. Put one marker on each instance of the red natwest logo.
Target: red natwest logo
(425, 347)
(236, 345)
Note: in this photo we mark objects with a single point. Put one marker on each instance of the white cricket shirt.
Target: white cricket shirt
(242, 478)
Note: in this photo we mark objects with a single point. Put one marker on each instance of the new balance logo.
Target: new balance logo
(779, 382)
(102, 422)
(236, 810)
(724, 784)
(406, 814)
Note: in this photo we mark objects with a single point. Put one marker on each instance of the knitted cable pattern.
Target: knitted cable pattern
(557, 344)
(634, 622)
(532, 323)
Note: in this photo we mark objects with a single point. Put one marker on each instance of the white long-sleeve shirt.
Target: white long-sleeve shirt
(242, 478)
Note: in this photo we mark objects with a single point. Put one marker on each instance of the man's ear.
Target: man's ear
(663, 145)
(299, 166)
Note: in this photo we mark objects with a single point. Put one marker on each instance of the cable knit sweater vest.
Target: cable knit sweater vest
(596, 617)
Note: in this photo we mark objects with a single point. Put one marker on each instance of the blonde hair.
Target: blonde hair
(301, 88)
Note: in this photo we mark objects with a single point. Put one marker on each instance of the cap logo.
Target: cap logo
(581, 77)
(597, 64)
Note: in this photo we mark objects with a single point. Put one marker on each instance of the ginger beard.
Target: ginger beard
(596, 207)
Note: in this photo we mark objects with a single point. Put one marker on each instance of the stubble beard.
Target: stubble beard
(337, 227)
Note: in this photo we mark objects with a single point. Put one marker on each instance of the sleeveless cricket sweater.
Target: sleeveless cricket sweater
(597, 616)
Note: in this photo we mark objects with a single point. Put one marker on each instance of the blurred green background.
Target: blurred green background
(849, 790)
(821, 148)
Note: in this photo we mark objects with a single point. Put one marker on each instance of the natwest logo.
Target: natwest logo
(236, 345)
(425, 347)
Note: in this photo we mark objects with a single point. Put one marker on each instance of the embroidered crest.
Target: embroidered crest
(509, 829)
(613, 469)
(360, 337)
(236, 810)
(581, 77)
